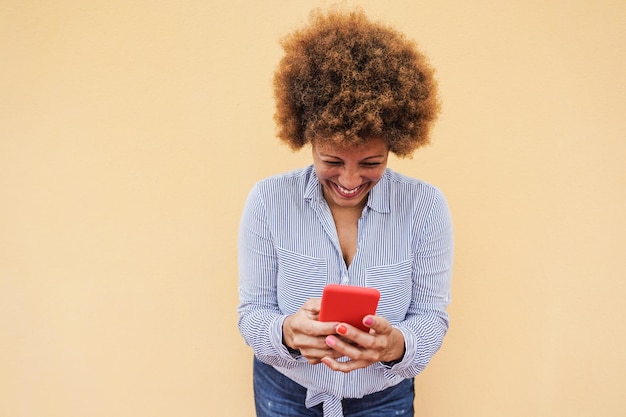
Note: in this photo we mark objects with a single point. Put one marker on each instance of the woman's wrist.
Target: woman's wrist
(287, 339)
(293, 351)
(397, 350)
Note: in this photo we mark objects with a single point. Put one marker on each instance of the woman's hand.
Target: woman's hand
(383, 343)
(302, 331)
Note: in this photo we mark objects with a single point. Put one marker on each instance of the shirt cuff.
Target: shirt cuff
(276, 338)
(409, 351)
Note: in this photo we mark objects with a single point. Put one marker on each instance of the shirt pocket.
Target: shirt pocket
(300, 277)
(394, 281)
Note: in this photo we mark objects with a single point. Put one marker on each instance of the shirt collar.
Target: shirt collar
(378, 199)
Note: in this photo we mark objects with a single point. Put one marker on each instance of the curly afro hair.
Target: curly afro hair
(344, 79)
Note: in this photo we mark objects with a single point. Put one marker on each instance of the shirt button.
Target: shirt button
(345, 279)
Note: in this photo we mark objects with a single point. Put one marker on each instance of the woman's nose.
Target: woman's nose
(350, 178)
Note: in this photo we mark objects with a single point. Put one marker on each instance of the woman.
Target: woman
(354, 90)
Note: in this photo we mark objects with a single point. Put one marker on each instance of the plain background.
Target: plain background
(131, 133)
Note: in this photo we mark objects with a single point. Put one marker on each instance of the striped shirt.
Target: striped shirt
(289, 250)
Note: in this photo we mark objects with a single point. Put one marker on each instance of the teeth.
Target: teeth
(346, 191)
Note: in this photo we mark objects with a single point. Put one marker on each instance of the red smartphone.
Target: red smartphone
(348, 303)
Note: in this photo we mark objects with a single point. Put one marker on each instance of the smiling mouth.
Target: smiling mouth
(348, 193)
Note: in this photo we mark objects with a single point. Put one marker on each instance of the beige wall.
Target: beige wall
(131, 132)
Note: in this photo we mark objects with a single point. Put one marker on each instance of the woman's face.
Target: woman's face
(347, 174)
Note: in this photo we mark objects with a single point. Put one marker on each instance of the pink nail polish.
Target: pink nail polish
(330, 341)
(368, 321)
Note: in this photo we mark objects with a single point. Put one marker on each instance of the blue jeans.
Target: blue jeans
(276, 395)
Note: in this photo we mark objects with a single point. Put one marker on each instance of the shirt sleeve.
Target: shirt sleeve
(427, 321)
(260, 319)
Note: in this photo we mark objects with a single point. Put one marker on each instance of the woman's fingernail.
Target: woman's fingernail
(341, 329)
(330, 341)
(368, 321)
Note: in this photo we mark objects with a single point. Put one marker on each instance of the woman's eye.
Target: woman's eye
(371, 164)
(333, 163)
